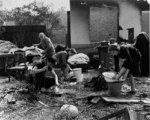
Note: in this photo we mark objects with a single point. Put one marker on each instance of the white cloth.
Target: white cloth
(79, 58)
(28, 50)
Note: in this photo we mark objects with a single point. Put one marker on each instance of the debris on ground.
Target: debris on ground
(17, 103)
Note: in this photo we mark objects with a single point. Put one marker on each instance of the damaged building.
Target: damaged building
(114, 18)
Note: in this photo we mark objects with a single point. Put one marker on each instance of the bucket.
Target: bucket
(114, 88)
(77, 73)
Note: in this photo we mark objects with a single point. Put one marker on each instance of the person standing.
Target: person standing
(47, 45)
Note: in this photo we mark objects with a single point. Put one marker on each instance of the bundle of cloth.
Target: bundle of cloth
(79, 58)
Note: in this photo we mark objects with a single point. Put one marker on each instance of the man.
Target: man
(38, 75)
(47, 45)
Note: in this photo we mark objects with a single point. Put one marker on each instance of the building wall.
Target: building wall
(145, 22)
(129, 17)
(79, 25)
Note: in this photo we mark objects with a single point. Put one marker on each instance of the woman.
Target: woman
(61, 58)
(47, 45)
(131, 64)
(39, 73)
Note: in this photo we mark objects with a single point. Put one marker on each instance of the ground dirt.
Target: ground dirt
(75, 94)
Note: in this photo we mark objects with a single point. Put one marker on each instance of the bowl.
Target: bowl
(109, 75)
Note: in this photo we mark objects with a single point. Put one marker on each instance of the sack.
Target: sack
(97, 83)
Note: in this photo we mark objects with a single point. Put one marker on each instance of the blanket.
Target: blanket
(79, 58)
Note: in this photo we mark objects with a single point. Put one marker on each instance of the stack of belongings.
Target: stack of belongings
(28, 50)
(6, 59)
(6, 46)
(79, 60)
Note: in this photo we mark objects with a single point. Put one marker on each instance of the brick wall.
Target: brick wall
(103, 23)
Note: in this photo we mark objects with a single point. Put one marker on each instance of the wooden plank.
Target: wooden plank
(119, 115)
(125, 100)
(124, 114)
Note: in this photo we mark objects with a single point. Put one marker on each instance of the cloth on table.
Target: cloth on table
(33, 51)
(28, 50)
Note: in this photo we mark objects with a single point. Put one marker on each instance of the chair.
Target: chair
(19, 64)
